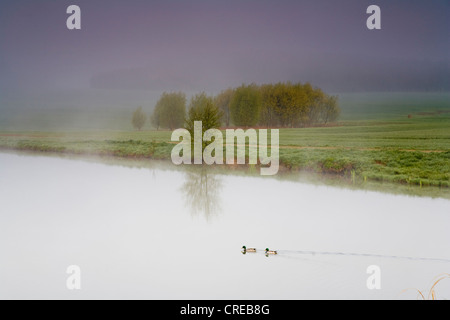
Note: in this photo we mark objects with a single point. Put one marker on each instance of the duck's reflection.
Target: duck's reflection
(202, 192)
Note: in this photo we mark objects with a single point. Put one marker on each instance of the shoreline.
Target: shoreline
(304, 175)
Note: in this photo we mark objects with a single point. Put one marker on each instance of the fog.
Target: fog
(127, 53)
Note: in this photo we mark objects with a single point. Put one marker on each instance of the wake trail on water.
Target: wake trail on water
(367, 255)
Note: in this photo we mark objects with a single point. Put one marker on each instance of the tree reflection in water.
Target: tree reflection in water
(202, 192)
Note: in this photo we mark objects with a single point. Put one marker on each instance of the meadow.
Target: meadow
(389, 138)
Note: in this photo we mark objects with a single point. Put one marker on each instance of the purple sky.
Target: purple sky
(196, 45)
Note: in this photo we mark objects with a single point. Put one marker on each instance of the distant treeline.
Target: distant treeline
(282, 104)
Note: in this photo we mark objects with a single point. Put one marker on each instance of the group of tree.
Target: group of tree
(282, 104)
(288, 104)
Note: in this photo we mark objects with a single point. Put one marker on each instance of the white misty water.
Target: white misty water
(143, 233)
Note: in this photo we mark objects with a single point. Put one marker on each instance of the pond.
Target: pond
(170, 233)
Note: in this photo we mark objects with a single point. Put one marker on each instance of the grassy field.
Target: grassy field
(409, 145)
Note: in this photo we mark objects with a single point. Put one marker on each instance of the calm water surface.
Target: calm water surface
(173, 234)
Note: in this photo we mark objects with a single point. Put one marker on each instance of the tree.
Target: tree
(170, 110)
(139, 119)
(289, 103)
(202, 108)
(329, 109)
(283, 104)
(315, 98)
(223, 101)
(269, 100)
(245, 106)
(301, 101)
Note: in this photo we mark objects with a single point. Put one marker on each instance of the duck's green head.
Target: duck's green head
(267, 249)
(244, 247)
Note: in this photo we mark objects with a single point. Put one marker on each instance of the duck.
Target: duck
(270, 251)
(248, 249)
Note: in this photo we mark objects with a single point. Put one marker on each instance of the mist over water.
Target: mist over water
(152, 233)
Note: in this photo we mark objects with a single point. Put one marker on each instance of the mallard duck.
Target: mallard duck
(270, 251)
(248, 249)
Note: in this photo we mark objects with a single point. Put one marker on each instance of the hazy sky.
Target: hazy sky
(196, 45)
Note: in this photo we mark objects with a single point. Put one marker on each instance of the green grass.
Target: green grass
(376, 143)
(416, 153)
